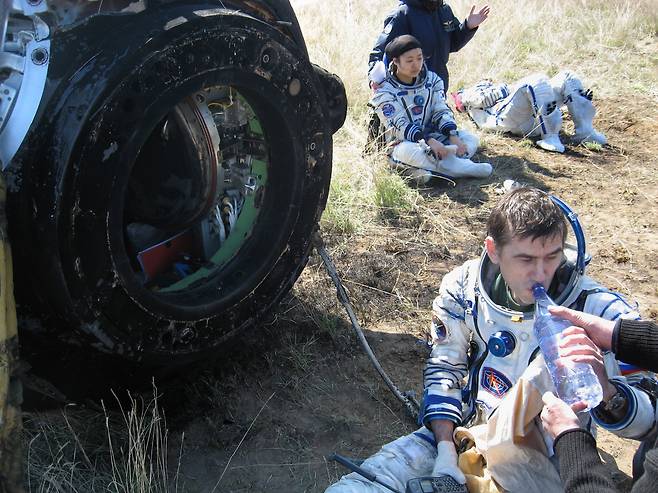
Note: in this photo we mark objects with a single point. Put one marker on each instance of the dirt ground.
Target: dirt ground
(267, 414)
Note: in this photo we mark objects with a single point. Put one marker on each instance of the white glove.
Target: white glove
(446, 462)
(378, 72)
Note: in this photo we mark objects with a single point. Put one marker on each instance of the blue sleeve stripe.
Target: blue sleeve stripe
(412, 133)
(444, 374)
(431, 416)
(630, 414)
(617, 298)
(445, 366)
(432, 400)
(449, 382)
(427, 438)
(442, 371)
(452, 314)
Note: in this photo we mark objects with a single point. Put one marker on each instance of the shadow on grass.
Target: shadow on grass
(470, 191)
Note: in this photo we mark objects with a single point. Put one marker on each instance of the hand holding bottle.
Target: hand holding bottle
(558, 417)
(577, 347)
(598, 329)
(573, 381)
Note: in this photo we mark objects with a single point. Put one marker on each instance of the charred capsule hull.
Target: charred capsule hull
(166, 193)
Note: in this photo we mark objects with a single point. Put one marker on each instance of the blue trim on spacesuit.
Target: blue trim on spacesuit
(536, 108)
(440, 407)
(425, 437)
(452, 315)
(630, 413)
(447, 127)
(432, 400)
(618, 297)
(413, 133)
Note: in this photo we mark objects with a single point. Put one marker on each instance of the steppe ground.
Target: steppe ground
(265, 415)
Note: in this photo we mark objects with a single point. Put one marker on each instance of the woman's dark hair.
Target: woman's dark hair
(400, 45)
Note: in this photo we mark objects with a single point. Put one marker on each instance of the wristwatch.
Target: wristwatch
(615, 403)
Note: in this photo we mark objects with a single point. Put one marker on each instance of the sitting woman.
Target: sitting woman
(420, 128)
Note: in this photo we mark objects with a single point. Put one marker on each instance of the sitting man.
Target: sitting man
(531, 108)
(483, 344)
(420, 128)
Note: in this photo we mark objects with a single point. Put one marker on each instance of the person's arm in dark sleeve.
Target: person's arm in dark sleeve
(460, 36)
(579, 464)
(636, 342)
(395, 25)
(649, 479)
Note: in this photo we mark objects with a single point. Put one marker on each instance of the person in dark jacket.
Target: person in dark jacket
(580, 467)
(435, 26)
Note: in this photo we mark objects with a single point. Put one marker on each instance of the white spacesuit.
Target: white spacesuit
(412, 114)
(492, 346)
(531, 107)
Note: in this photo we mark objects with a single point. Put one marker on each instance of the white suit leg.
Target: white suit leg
(396, 463)
(569, 90)
(550, 121)
(547, 113)
(456, 167)
(471, 141)
(413, 159)
(532, 111)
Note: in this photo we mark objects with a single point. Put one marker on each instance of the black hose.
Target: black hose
(409, 402)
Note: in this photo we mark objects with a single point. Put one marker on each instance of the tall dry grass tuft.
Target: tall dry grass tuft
(611, 43)
(85, 451)
(139, 455)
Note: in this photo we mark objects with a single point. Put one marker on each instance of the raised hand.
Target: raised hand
(474, 19)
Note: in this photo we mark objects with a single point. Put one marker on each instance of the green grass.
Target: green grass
(393, 196)
(593, 146)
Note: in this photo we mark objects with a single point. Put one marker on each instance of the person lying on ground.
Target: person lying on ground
(531, 107)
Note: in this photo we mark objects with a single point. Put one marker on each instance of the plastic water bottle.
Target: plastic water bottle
(573, 383)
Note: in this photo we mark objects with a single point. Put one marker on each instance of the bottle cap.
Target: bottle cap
(538, 291)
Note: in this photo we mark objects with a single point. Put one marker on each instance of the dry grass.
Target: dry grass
(83, 450)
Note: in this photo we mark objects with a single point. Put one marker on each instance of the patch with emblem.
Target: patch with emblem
(495, 382)
(417, 110)
(449, 26)
(439, 330)
(388, 109)
(419, 100)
